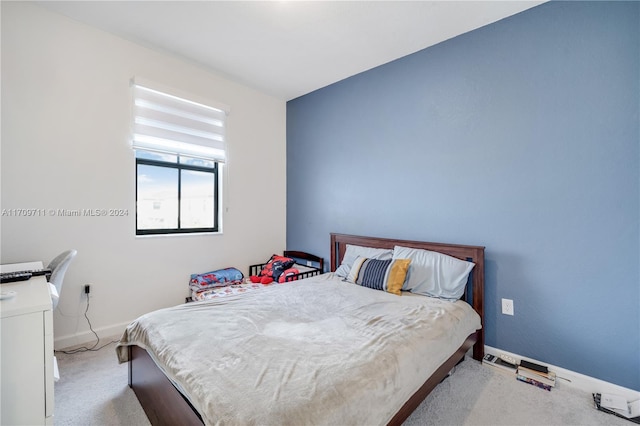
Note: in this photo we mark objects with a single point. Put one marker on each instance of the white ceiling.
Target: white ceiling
(288, 48)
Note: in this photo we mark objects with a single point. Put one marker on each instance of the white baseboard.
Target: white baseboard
(88, 338)
(573, 379)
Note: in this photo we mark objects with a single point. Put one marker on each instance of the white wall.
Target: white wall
(65, 145)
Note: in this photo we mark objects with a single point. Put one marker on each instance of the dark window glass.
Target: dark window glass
(175, 194)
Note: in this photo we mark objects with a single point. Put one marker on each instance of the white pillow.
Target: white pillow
(434, 274)
(304, 268)
(352, 252)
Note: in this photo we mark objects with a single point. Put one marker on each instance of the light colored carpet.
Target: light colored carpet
(477, 394)
(93, 390)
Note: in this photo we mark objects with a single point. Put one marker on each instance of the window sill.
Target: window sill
(186, 234)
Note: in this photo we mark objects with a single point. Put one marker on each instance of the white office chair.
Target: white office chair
(58, 268)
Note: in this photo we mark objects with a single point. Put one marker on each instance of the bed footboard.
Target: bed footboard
(161, 401)
(164, 405)
(439, 375)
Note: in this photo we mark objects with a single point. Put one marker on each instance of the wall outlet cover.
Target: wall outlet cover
(507, 306)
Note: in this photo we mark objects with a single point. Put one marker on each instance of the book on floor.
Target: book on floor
(548, 378)
(499, 363)
(533, 382)
(543, 369)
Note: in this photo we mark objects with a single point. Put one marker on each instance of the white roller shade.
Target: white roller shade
(168, 123)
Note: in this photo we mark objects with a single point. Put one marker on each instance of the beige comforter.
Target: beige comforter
(318, 351)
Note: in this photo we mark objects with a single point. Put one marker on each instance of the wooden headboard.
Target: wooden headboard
(475, 254)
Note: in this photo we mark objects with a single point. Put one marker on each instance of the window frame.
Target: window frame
(215, 171)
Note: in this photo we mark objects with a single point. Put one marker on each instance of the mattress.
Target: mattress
(316, 351)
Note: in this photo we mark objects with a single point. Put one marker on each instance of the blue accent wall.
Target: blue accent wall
(521, 136)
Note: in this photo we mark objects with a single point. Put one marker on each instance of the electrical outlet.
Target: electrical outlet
(507, 306)
(87, 290)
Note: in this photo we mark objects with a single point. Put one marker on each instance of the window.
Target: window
(180, 152)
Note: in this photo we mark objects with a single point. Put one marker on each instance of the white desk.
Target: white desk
(22, 266)
(26, 360)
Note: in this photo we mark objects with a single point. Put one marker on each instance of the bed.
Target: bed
(313, 351)
(306, 265)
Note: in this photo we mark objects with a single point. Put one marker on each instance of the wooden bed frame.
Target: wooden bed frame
(165, 405)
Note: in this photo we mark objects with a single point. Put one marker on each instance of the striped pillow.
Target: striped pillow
(385, 275)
